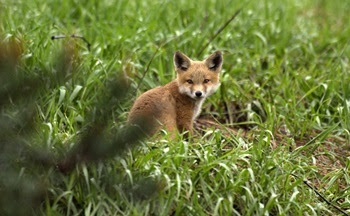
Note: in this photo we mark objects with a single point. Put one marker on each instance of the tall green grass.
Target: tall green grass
(286, 73)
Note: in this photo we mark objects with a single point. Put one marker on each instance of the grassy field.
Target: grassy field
(279, 121)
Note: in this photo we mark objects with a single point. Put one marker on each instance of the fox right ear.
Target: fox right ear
(214, 61)
(181, 61)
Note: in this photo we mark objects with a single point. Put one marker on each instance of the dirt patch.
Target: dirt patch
(328, 155)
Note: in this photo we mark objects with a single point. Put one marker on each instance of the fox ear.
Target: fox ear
(181, 61)
(214, 61)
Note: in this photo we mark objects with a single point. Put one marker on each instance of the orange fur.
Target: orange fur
(176, 105)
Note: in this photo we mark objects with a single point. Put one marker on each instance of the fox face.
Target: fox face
(198, 79)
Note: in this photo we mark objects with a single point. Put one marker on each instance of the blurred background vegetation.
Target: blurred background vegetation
(282, 108)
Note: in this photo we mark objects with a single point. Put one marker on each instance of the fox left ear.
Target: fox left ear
(214, 61)
(181, 61)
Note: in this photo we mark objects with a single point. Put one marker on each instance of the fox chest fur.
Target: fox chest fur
(177, 104)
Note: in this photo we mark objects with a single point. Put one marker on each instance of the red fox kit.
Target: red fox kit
(177, 104)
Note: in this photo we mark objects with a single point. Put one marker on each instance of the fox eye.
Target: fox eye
(189, 81)
(206, 81)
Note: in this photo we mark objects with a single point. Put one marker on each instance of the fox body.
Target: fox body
(177, 104)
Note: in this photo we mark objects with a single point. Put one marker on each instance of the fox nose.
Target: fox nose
(198, 93)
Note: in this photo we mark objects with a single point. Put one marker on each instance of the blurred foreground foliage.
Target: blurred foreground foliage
(27, 169)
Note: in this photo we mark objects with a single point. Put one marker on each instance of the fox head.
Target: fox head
(198, 79)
